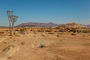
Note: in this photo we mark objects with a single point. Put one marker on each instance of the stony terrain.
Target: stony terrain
(45, 46)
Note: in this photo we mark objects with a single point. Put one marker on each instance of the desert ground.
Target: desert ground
(45, 46)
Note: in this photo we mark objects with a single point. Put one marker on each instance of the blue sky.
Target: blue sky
(57, 11)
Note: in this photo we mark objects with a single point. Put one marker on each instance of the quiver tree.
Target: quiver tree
(12, 19)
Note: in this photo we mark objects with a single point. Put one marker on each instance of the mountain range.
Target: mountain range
(48, 25)
(35, 24)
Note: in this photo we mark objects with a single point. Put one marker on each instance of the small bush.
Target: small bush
(1, 33)
(43, 35)
(22, 31)
(48, 31)
(58, 35)
(9, 57)
(41, 46)
(73, 34)
(6, 30)
(61, 30)
(40, 31)
(22, 43)
(16, 30)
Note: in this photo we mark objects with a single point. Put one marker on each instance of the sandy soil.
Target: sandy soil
(45, 46)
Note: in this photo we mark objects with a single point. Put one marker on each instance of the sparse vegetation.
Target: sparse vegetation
(1, 33)
(73, 34)
(37, 42)
(22, 31)
(43, 35)
(58, 35)
(41, 46)
(22, 43)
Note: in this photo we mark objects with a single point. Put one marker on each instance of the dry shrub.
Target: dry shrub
(22, 31)
(31, 30)
(47, 30)
(16, 30)
(4, 42)
(34, 35)
(22, 43)
(58, 35)
(83, 30)
(73, 34)
(61, 30)
(86, 31)
(9, 57)
(1, 33)
(41, 46)
(43, 35)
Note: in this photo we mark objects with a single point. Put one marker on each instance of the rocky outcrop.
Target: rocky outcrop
(72, 25)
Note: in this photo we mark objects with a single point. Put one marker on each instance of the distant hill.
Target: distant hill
(88, 26)
(72, 25)
(3, 27)
(68, 25)
(35, 24)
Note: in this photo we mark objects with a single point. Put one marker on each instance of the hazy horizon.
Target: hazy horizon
(56, 11)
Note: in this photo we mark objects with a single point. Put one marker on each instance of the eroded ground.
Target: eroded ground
(45, 46)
